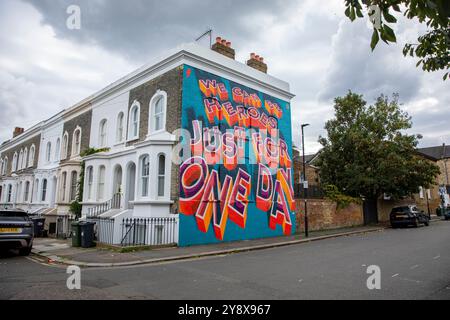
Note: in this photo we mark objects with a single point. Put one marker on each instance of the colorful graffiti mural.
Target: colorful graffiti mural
(236, 183)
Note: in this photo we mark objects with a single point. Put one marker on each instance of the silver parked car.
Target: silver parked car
(16, 231)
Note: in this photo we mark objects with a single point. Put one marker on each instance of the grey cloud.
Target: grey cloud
(138, 29)
(355, 67)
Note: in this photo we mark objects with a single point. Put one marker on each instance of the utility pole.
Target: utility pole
(305, 182)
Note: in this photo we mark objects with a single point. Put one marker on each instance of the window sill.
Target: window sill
(157, 202)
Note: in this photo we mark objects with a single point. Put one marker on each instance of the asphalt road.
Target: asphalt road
(414, 264)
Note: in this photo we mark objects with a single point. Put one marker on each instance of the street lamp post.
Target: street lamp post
(305, 182)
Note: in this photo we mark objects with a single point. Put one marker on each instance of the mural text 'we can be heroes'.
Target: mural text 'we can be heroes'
(237, 182)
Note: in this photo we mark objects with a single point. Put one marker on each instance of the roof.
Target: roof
(193, 54)
(439, 152)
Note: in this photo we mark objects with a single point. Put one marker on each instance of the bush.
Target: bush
(75, 208)
(342, 200)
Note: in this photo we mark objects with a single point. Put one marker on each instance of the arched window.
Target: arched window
(73, 185)
(76, 144)
(31, 158)
(58, 149)
(133, 126)
(19, 164)
(145, 172)
(158, 112)
(27, 191)
(14, 163)
(48, 152)
(25, 158)
(102, 139)
(44, 190)
(90, 180)
(101, 183)
(64, 186)
(119, 130)
(65, 145)
(161, 174)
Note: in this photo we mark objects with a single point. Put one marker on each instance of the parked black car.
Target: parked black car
(408, 216)
(16, 231)
(447, 213)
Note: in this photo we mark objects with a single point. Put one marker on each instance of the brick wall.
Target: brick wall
(324, 215)
(36, 140)
(171, 83)
(84, 122)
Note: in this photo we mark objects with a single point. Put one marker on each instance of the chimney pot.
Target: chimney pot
(17, 131)
(257, 62)
(223, 47)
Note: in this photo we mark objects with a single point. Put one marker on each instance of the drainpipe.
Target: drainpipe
(445, 163)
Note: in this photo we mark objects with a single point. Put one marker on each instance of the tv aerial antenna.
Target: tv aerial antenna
(206, 33)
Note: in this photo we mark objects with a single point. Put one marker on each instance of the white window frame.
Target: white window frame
(103, 133)
(76, 148)
(120, 127)
(9, 194)
(58, 149)
(48, 152)
(19, 163)
(161, 176)
(25, 159)
(101, 183)
(145, 176)
(131, 121)
(44, 190)
(32, 155)
(36, 190)
(14, 162)
(5, 166)
(65, 145)
(152, 116)
(26, 193)
(89, 181)
(73, 186)
(63, 185)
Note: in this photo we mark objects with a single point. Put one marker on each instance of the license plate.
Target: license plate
(10, 230)
(403, 216)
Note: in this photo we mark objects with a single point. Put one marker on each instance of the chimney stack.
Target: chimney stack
(257, 62)
(223, 47)
(17, 131)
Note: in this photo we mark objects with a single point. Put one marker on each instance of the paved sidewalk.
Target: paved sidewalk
(60, 251)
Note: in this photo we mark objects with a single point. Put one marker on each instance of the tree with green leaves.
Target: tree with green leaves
(368, 153)
(432, 49)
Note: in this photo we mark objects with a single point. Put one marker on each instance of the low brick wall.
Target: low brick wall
(324, 215)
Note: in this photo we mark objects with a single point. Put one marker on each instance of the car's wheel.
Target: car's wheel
(394, 226)
(25, 251)
(417, 223)
(427, 223)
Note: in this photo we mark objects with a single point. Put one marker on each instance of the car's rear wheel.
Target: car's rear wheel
(427, 222)
(25, 251)
(417, 223)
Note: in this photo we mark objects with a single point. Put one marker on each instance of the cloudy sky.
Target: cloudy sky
(45, 67)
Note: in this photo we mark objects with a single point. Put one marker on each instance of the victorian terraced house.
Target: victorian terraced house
(133, 124)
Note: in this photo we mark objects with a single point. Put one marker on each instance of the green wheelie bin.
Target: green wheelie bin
(76, 234)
